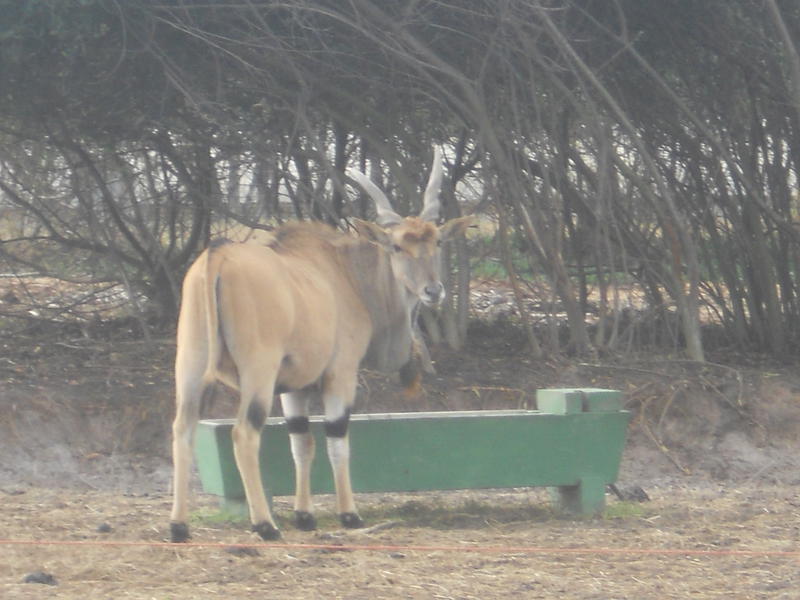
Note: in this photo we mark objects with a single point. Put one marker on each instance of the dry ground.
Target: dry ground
(424, 553)
(84, 434)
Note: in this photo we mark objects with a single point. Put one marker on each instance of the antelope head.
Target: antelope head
(413, 243)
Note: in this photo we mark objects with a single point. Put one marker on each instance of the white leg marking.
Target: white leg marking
(295, 410)
(338, 451)
(337, 417)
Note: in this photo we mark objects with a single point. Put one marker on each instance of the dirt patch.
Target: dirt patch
(83, 412)
(96, 412)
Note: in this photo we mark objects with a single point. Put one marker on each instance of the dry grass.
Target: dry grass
(712, 519)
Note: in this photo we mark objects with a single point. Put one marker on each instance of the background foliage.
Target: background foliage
(633, 162)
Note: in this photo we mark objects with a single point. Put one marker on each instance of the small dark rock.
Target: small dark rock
(104, 528)
(40, 577)
(637, 494)
(632, 494)
(10, 298)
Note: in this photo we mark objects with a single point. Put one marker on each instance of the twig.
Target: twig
(768, 465)
(625, 368)
(663, 448)
(659, 444)
(736, 372)
(495, 388)
(71, 346)
(667, 404)
(378, 527)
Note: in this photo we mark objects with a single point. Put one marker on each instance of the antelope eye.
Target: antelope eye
(397, 248)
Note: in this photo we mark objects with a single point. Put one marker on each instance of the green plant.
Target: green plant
(624, 510)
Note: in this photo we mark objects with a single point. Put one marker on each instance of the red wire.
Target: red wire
(415, 548)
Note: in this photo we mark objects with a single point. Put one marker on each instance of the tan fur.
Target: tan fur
(419, 231)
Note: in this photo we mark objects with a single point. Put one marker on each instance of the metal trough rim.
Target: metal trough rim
(402, 416)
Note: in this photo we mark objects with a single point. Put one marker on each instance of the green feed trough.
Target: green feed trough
(572, 444)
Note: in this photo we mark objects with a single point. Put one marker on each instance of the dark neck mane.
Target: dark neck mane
(369, 271)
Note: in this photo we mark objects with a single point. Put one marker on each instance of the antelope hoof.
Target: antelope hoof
(267, 531)
(304, 521)
(351, 520)
(179, 532)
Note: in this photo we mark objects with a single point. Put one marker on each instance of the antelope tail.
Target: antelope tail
(213, 323)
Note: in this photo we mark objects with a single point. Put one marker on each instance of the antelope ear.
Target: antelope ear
(455, 227)
(372, 232)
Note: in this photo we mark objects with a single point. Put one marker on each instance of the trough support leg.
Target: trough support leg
(586, 498)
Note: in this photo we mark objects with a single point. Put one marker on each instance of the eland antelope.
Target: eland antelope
(296, 318)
